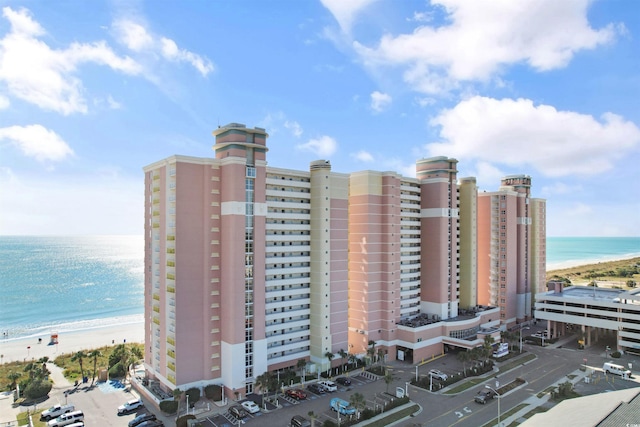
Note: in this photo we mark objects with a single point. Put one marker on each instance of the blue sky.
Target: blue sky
(91, 92)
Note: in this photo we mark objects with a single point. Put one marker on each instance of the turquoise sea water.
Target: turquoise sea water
(69, 283)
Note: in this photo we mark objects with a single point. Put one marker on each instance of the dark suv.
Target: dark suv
(343, 381)
(298, 421)
(484, 396)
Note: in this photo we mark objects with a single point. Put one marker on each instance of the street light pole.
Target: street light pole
(521, 329)
(416, 373)
(499, 398)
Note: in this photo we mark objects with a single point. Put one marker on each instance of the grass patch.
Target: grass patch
(23, 419)
(546, 391)
(571, 376)
(471, 382)
(536, 410)
(394, 417)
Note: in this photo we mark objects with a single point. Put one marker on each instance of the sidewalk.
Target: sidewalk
(534, 401)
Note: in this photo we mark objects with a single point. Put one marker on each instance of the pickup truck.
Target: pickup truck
(55, 411)
(342, 406)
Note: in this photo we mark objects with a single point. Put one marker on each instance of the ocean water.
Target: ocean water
(565, 252)
(67, 283)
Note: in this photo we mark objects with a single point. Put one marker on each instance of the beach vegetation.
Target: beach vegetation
(37, 388)
(106, 358)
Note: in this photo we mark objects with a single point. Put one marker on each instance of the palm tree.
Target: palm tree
(329, 356)
(381, 354)
(357, 401)
(388, 378)
(353, 359)
(79, 356)
(13, 377)
(464, 357)
(95, 354)
(371, 351)
(343, 355)
(301, 365)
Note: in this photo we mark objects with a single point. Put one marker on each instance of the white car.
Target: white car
(250, 407)
(329, 385)
(438, 374)
(130, 406)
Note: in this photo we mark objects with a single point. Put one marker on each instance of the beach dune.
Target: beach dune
(35, 347)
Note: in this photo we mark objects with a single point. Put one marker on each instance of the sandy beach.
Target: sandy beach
(22, 349)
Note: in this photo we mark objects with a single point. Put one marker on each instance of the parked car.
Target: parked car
(329, 385)
(66, 419)
(140, 419)
(439, 375)
(238, 411)
(130, 406)
(299, 421)
(343, 381)
(342, 406)
(151, 423)
(316, 388)
(296, 393)
(484, 396)
(250, 406)
(55, 411)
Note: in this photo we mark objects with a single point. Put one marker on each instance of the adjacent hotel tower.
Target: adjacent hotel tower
(250, 268)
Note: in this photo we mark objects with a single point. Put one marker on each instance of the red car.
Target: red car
(296, 393)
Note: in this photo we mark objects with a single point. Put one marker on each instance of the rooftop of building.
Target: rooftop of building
(600, 294)
(423, 319)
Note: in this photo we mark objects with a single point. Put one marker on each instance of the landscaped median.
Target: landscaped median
(393, 415)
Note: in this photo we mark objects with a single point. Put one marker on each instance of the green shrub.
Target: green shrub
(169, 406)
(37, 389)
(117, 371)
(182, 421)
(194, 395)
(615, 354)
(213, 392)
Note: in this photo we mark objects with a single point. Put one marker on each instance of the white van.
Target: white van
(66, 419)
(612, 368)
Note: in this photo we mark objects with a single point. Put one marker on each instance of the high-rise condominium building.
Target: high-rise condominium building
(250, 268)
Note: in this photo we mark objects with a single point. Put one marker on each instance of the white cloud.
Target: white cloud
(113, 104)
(380, 101)
(559, 188)
(46, 77)
(519, 133)
(133, 35)
(294, 127)
(36, 141)
(171, 52)
(137, 38)
(363, 156)
(481, 37)
(323, 146)
(345, 11)
(4, 102)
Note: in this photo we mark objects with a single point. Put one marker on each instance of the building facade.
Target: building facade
(250, 268)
